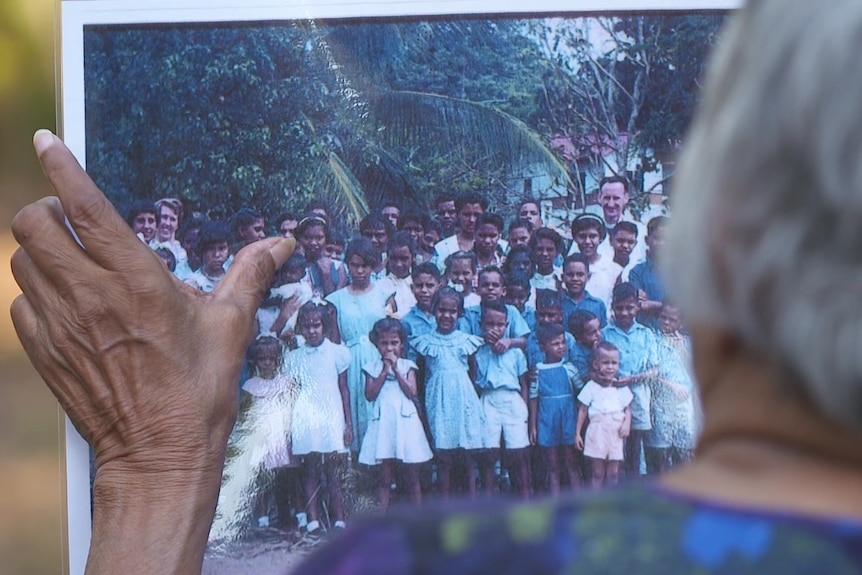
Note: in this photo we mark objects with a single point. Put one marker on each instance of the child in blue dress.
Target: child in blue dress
(357, 307)
(395, 431)
(453, 407)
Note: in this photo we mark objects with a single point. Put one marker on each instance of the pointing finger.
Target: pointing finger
(106, 236)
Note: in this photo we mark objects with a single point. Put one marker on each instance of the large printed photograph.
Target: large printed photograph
(479, 204)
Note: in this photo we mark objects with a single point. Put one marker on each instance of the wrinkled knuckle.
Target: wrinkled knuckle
(89, 310)
(31, 219)
(92, 212)
(19, 264)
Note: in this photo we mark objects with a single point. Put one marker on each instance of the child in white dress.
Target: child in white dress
(321, 427)
(260, 443)
(395, 431)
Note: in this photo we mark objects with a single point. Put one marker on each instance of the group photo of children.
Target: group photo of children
(473, 308)
(433, 355)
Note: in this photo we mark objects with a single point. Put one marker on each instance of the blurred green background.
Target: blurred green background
(29, 461)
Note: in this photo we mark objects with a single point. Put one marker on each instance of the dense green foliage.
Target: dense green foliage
(270, 115)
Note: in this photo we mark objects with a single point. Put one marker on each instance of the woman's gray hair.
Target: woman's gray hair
(766, 238)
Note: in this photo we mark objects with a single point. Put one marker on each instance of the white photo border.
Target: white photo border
(74, 15)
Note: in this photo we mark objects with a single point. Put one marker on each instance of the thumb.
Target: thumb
(250, 274)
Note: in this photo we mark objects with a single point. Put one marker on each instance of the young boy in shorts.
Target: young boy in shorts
(552, 407)
(501, 379)
(609, 414)
(638, 361)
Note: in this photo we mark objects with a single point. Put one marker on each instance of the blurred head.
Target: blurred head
(399, 254)
(212, 247)
(447, 215)
(377, 229)
(489, 228)
(585, 328)
(520, 259)
(764, 241)
(520, 232)
(312, 233)
(426, 282)
(546, 245)
(624, 237)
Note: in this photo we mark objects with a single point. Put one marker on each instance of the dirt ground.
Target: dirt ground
(263, 552)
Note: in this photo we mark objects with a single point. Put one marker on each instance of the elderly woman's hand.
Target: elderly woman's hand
(145, 366)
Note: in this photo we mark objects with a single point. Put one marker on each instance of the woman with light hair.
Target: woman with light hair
(763, 257)
(170, 218)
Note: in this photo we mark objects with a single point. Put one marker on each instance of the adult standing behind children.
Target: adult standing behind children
(614, 198)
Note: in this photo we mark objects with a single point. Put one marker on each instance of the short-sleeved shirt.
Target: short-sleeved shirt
(417, 323)
(638, 347)
(604, 400)
(517, 327)
(500, 370)
(588, 303)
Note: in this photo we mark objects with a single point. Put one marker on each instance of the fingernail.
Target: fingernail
(282, 251)
(42, 139)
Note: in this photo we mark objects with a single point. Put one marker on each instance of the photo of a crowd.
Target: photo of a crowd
(473, 307)
(442, 354)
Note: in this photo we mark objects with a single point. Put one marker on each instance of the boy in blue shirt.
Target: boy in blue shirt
(638, 367)
(492, 287)
(501, 379)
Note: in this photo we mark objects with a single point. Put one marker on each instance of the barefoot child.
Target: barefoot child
(552, 406)
(321, 426)
(453, 408)
(395, 432)
(610, 417)
(501, 378)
